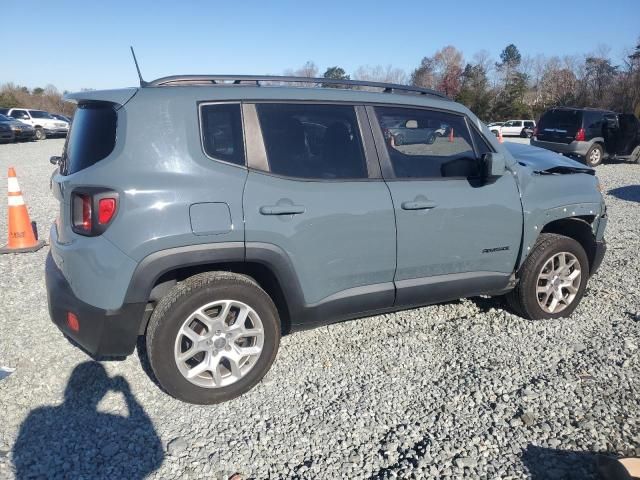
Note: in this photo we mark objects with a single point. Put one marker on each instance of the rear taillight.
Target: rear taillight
(92, 210)
(580, 136)
(106, 210)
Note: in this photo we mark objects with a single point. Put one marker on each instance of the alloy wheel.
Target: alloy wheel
(219, 343)
(558, 282)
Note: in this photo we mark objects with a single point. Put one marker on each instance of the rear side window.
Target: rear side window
(427, 144)
(222, 132)
(593, 120)
(312, 141)
(92, 136)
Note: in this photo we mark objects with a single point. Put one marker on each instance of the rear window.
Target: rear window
(561, 119)
(92, 136)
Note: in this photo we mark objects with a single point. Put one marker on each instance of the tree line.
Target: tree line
(513, 86)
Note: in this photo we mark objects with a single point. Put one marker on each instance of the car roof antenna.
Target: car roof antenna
(135, 60)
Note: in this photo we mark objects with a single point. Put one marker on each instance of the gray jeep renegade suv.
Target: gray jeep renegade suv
(201, 217)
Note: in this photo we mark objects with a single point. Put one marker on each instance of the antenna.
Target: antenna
(135, 60)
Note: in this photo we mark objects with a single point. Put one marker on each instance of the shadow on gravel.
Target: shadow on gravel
(549, 464)
(631, 193)
(74, 440)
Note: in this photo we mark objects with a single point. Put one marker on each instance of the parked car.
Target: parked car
(407, 132)
(64, 118)
(202, 222)
(43, 123)
(12, 129)
(517, 128)
(590, 134)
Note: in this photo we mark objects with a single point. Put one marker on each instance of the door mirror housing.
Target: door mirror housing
(493, 164)
(55, 160)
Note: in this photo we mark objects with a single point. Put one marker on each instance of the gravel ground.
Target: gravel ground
(460, 389)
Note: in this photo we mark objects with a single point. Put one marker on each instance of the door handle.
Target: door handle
(419, 205)
(282, 209)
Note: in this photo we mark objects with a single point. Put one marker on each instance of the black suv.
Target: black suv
(589, 134)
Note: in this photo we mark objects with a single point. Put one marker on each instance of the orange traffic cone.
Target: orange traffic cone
(451, 135)
(500, 138)
(21, 232)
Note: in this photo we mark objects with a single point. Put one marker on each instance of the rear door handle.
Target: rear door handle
(282, 209)
(419, 205)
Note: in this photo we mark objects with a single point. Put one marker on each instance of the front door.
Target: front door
(628, 136)
(456, 235)
(320, 204)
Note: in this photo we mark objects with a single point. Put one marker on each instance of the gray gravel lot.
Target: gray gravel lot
(460, 389)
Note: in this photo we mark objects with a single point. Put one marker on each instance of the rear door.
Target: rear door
(456, 235)
(315, 195)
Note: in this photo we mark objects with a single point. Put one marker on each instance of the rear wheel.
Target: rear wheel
(552, 279)
(399, 139)
(213, 337)
(594, 155)
(40, 135)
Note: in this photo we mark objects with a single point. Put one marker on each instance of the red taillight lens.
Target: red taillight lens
(92, 210)
(580, 136)
(81, 212)
(72, 322)
(106, 210)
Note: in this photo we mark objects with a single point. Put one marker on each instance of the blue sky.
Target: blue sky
(84, 44)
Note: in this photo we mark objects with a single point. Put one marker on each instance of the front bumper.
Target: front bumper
(102, 333)
(573, 148)
(24, 134)
(598, 256)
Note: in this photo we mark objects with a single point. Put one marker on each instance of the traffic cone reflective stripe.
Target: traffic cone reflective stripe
(21, 237)
(451, 135)
(500, 139)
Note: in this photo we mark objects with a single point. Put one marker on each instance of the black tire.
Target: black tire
(523, 134)
(178, 304)
(40, 134)
(594, 156)
(495, 132)
(432, 139)
(398, 139)
(524, 298)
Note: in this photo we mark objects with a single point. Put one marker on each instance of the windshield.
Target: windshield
(40, 114)
(4, 118)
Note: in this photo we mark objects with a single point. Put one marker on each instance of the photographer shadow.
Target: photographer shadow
(74, 440)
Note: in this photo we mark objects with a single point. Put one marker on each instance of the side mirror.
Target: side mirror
(494, 164)
(55, 160)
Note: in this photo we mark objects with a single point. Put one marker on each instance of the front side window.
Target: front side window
(312, 141)
(20, 114)
(40, 114)
(427, 144)
(222, 132)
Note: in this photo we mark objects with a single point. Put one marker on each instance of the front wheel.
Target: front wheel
(213, 337)
(40, 135)
(594, 155)
(552, 280)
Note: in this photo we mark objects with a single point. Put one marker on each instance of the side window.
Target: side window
(312, 141)
(517, 123)
(528, 124)
(19, 114)
(222, 132)
(481, 144)
(427, 144)
(593, 120)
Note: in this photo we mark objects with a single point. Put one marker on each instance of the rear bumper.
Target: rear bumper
(573, 148)
(56, 131)
(102, 333)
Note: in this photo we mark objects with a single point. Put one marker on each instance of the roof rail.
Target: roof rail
(256, 79)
